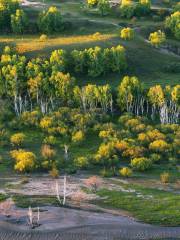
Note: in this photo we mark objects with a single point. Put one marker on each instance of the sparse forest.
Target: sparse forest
(91, 90)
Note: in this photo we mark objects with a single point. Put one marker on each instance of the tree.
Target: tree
(104, 6)
(127, 33)
(157, 38)
(50, 21)
(173, 23)
(130, 95)
(19, 22)
(81, 162)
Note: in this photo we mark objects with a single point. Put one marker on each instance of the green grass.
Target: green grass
(2, 197)
(23, 201)
(155, 207)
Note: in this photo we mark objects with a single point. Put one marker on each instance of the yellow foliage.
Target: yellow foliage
(157, 38)
(127, 33)
(18, 139)
(78, 136)
(125, 172)
(25, 161)
(159, 146)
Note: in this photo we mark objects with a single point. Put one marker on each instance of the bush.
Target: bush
(25, 161)
(159, 146)
(78, 136)
(43, 38)
(81, 162)
(125, 172)
(47, 152)
(18, 139)
(54, 172)
(93, 183)
(51, 140)
(141, 164)
(165, 177)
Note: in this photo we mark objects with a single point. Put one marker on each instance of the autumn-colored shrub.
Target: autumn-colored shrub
(18, 139)
(93, 183)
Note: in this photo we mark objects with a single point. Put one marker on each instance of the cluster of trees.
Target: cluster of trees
(156, 101)
(129, 8)
(44, 83)
(13, 18)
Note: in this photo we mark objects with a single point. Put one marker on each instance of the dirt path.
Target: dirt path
(64, 223)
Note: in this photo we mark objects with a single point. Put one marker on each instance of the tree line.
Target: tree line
(46, 84)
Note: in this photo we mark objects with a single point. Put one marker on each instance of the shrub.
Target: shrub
(17, 139)
(125, 172)
(141, 164)
(54, 172)
(165, 177)
(81, 162)
(43, 38)
(78, 136)
(155, 157)
(25, 161)
(47, 152)
(159, 146)
(93, 183)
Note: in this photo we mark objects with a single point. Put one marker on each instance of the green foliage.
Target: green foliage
(141, 164)
(81, 162)
(50, 21)
(7, 7)
(104, 6)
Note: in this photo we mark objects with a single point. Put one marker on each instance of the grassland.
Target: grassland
(147, 204)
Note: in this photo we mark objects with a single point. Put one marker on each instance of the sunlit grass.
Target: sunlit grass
(25, 45)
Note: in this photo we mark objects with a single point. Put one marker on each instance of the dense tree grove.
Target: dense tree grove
(46, 85)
